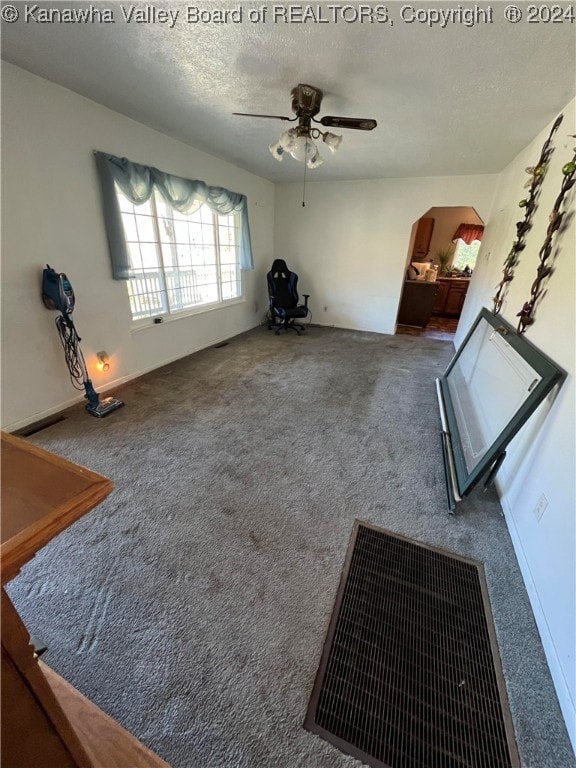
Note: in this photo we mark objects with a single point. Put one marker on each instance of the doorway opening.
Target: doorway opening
(442, 251)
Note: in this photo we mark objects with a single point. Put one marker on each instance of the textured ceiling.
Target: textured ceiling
(448, 100)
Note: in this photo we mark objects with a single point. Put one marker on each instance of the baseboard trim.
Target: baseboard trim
(52, 413)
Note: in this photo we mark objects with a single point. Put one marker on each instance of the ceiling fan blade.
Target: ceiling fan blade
(271, 117)
(359, 123)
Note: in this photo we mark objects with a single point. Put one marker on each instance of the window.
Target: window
(465, 255)
(181, 261)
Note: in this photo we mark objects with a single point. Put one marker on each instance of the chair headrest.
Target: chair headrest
(279, 265)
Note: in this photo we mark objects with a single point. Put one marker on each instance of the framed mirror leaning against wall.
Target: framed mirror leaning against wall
(491, 387)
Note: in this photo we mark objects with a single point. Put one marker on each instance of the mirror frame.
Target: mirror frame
(464, 479)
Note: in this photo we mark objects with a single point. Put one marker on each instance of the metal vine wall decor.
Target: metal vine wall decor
(529, 204)
(545, 268)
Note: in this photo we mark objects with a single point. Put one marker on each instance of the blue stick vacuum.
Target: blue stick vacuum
(57, 294)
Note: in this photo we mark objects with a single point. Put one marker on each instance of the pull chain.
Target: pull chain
(304, 184)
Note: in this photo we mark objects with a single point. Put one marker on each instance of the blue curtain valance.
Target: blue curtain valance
(138, 182)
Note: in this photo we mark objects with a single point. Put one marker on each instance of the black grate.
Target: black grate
(410, 674)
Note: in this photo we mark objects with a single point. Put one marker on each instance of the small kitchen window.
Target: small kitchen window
(465, 254)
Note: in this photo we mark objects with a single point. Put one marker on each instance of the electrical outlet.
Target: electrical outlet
(540, 508)
(256, 307)
(325, 309)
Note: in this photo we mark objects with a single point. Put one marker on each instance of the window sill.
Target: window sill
(148, 322)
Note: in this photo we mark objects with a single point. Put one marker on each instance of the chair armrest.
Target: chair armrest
(306, 297)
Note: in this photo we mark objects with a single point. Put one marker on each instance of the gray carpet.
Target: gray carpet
(192, 604)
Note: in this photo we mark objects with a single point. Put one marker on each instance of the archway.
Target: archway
(437, 272)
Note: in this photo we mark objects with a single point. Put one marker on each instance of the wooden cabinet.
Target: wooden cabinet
(422, 239)
(441, 294)
(455, 299)
(46, 723)
(416, 303)
(451, 295)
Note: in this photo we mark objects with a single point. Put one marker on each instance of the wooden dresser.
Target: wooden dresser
(46, 723)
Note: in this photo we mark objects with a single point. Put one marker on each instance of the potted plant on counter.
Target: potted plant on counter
(444, 258)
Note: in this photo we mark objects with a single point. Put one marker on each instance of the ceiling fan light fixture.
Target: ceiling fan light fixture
(303, 148)
(332, 140)
(315, 161)
(299, 141)
(277, 151)
(287, 138)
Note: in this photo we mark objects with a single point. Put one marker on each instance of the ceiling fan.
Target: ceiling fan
(299, 141)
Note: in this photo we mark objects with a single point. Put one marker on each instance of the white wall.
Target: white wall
(350, 243)
(541, 459)
(51, 213)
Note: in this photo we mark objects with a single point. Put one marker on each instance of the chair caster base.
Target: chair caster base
(289, 328)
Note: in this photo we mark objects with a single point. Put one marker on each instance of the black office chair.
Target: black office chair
(283, 296)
